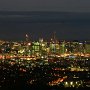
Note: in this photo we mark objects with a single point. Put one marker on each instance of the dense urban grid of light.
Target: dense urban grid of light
(45, 63)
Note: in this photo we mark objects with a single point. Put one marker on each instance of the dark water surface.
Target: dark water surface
(67, 25)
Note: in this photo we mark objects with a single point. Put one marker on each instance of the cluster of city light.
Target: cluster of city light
(58, 81)
(41, 48)
(73, 84)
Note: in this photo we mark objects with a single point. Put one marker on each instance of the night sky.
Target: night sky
(14, 29)
(45, 5)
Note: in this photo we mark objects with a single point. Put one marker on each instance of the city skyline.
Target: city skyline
(36, 36)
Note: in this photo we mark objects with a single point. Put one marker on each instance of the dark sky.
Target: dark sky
(13, 29)
(46, 5)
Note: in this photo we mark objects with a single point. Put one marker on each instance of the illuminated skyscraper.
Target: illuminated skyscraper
(27, 38)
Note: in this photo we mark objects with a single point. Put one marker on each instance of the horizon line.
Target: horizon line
(43, 11)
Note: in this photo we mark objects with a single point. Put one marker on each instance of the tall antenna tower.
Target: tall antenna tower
(54, 36)
(27, 38)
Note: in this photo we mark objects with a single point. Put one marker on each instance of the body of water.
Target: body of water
(67, 25)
